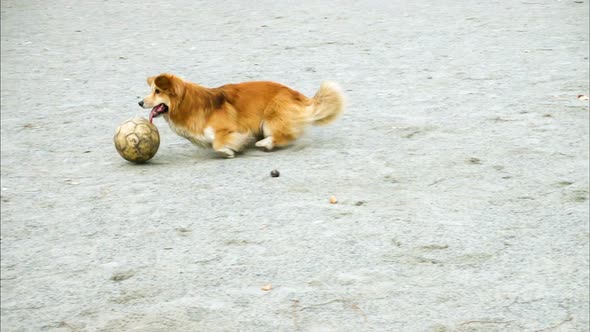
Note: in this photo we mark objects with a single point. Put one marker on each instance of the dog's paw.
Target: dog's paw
(226, 152)
(266, 143)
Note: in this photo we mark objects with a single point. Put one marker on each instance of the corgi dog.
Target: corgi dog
(230, 117)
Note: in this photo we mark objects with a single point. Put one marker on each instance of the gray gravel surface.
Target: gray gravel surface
(460, 166)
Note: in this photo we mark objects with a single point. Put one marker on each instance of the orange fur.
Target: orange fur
(231, 116)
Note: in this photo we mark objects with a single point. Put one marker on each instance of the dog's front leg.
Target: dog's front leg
(227, 143)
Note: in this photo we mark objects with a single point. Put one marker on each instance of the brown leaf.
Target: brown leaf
(266, 288)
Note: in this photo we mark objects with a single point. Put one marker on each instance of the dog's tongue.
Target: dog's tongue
(154, 112)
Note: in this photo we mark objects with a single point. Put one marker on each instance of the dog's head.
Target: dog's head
(166, 91)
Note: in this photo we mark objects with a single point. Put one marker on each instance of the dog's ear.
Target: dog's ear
(172, 85)
(150, 80)
(163, 82)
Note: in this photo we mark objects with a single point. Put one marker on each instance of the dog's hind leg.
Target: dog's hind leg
(284, 122)
(279, 139)
(266, 143)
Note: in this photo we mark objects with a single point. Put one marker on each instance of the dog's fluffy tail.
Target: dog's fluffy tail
(328, 104)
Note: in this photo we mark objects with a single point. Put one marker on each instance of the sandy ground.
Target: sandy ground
(461, 169)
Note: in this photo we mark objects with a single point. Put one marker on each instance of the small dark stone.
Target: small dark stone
(274, 173)
(474, 161)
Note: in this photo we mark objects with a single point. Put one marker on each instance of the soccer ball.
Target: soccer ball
(137, 140)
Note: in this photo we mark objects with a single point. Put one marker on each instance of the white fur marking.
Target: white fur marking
(209, 134)
(266, 130)
(228, 153)
(266, 143)
(203, 140)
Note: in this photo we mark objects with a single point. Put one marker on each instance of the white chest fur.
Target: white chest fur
(204, 139)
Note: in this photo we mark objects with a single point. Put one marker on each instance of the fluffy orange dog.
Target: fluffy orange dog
(231, 116)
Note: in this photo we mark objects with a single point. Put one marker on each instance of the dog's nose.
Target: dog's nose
(141, 103)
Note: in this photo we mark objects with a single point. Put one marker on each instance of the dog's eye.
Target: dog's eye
(157, 91)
